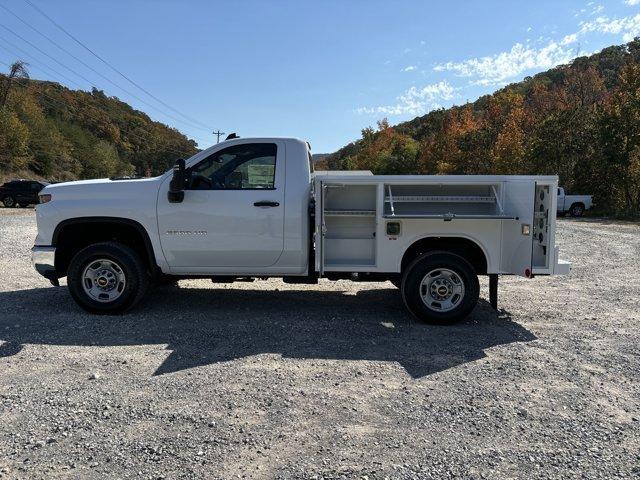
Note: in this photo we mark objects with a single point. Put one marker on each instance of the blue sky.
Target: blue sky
(319, 70)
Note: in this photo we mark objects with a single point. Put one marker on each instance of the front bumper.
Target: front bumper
(44, 261)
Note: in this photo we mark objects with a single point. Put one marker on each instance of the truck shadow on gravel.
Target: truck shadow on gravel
(205, 326)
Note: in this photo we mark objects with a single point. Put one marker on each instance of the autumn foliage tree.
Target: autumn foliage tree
(579, 121)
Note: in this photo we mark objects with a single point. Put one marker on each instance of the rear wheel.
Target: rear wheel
(23, 205)
(107, 278)
(8, 201)
(440, 288)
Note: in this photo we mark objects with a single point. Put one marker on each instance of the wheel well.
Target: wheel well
(467, 249)
(73, 235)
(576, 203)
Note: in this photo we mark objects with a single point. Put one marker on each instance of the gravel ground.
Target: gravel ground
(268, 380)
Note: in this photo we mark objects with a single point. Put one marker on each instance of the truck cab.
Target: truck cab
(574, 205)
(245, 210)
(249, 208)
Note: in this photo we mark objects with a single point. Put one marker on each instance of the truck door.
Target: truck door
(517, 234)
(232, 214)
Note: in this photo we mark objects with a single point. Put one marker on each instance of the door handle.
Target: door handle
(266, 204)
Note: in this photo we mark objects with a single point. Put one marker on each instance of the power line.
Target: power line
(191, 124)
(111, 66)
(55, 72)
(43, 67)
(127, 134)
(90, 82)
(47, 55)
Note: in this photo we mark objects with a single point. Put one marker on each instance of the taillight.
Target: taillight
(44, 197)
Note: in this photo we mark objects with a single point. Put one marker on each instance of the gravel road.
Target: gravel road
(268, 380)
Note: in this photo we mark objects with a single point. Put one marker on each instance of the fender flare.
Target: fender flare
(116, 220)
(419, 238)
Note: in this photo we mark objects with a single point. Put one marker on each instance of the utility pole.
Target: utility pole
(218, 134)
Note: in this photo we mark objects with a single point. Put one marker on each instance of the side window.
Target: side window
(249, 166)
(35, 187)
(311, 166)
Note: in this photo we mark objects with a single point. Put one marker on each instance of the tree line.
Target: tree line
(51, 132)
(579, 121)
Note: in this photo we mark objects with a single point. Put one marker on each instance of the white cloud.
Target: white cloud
(415, 101)
(632, 2)
(410, 68)
(569, 39)
(495, 69)
(628, 27)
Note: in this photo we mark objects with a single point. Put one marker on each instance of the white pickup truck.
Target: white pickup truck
(249, 208)
(574, 205)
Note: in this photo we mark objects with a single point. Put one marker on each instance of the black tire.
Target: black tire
(134, 270)
(8, 201)
(412, 289)
(576, 210)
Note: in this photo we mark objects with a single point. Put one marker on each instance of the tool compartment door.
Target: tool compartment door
(516, 251)
(544, 251)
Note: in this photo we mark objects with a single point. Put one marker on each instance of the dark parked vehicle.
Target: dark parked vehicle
(20, 192)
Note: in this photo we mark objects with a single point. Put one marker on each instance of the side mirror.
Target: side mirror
(176, 186)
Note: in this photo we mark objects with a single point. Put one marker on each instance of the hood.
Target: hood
(103, 188)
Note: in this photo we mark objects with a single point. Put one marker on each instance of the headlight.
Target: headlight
(44, 197)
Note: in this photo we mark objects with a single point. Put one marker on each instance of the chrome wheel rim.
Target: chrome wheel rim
(442, 290)
(103, 280)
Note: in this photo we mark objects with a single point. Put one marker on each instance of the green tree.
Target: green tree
(14, 142)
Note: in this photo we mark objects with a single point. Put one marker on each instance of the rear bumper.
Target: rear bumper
(562, 267)
(44, 261)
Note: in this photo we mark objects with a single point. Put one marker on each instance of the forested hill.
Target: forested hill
(51, 132)
(579, 121)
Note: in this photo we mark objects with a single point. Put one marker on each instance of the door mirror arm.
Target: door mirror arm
(176, 186)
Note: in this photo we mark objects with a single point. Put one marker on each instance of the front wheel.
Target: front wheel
(577, 210)
(440, 288)
(9, 201)
(107, 278)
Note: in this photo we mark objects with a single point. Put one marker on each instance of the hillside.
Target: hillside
(49, 131)
(579, 121)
